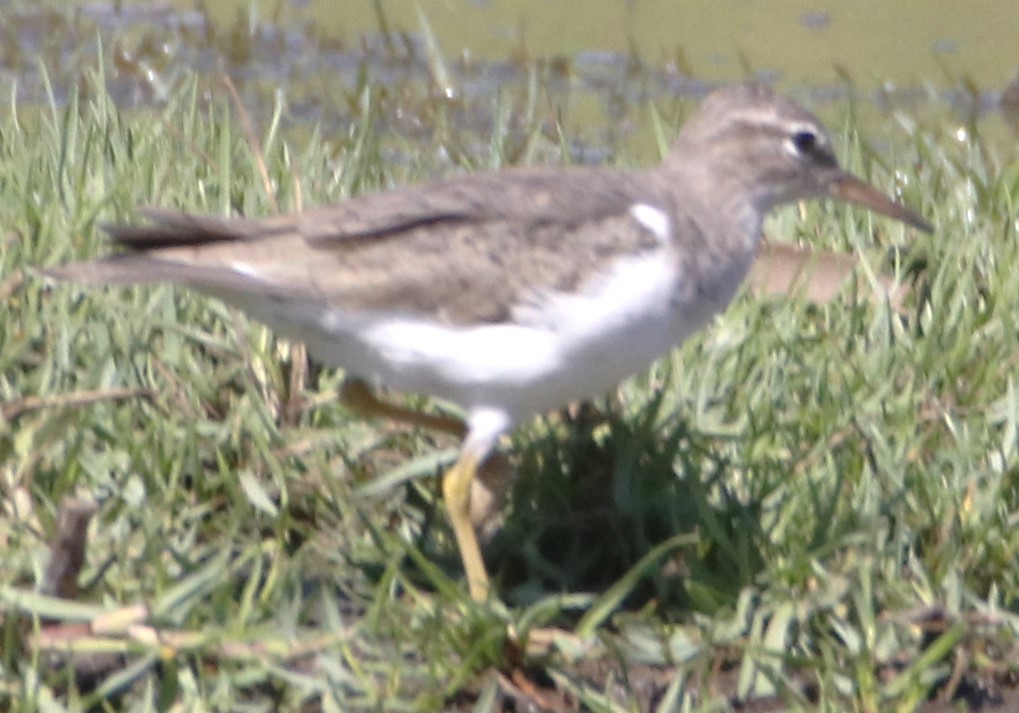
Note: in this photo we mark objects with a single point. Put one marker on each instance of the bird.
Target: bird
(512, 292)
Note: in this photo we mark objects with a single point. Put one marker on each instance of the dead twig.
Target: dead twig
(74, 399)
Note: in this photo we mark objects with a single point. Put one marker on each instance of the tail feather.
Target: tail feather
(141, 269)
(170, 228)
(165, 250)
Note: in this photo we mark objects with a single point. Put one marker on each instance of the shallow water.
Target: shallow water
(798, 41)
(589, 70)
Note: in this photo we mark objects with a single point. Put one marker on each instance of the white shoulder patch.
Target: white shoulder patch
(654, 219)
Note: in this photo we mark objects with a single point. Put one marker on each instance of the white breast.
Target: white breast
(559, 348)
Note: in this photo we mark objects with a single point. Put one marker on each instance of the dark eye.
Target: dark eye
(804, 141)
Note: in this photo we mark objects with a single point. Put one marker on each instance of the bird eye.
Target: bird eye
(805, 142)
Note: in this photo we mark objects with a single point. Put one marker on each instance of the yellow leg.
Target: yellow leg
(357, 396)
(456, 491)
(458, 483)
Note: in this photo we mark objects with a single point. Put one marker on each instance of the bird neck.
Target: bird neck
(723, 211)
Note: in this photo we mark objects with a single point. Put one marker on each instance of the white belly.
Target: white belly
(563, 348)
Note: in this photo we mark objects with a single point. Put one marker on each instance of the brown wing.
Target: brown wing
(461, 250)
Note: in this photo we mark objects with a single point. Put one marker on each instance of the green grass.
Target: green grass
(813, 502)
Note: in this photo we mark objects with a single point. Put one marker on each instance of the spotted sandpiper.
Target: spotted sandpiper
(510, 292)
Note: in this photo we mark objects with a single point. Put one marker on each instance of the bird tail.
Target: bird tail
(146, 261)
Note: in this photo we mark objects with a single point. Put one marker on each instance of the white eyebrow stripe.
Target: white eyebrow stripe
(654, 219)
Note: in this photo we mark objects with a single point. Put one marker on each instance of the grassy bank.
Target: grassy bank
(812, 506)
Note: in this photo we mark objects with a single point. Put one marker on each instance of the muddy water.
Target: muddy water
(799, 41)
(590, 70)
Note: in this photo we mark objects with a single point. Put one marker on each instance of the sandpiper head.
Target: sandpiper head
(773, 151)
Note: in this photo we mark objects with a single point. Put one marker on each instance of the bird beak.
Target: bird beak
(849, 188)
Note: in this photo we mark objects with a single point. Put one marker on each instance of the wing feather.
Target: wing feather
(463, 250)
